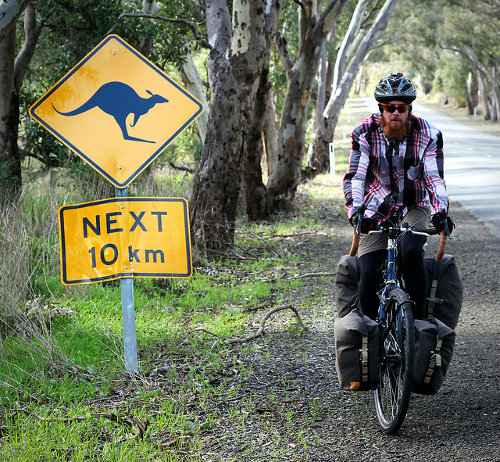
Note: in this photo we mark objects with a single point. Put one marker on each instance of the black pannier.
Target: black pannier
(445, 290)
(357, 348)
(434, 343)
(346, 280)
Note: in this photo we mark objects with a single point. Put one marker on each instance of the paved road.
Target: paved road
(472, 165)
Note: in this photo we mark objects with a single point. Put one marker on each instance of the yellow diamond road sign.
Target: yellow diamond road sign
(125, 237)
(116, 110)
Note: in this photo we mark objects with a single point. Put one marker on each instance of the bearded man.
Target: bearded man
(396, 170)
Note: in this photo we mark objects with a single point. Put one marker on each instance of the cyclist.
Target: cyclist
(396, 169)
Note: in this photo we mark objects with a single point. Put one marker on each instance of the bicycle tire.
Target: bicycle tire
(392, 395)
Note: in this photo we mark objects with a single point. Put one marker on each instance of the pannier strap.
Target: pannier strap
(432, 300)
(435, 361)
(364, 359)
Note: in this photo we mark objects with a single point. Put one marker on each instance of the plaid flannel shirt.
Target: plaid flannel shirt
(395, 175)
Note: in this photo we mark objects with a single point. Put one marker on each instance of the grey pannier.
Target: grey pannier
(434, 343)
(357, 348)
(445, 290)
(346, 280)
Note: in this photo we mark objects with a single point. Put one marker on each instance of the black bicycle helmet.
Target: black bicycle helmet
(395, 87)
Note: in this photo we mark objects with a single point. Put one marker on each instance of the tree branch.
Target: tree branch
(261, 330)
(286, 57)
(31, 33)
(185, 22)
(9, 12)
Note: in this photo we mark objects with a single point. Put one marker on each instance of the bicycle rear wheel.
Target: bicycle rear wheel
(393, 392)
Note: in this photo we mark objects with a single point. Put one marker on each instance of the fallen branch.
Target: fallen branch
(128, 421)
(180, 168)
(198, 329)
(312, 275)
(261, 330)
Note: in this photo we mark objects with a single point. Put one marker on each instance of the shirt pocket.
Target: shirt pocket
(415, 172)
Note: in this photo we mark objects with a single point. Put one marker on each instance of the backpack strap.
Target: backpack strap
(435, 361)
(364, 359)
(432, 300)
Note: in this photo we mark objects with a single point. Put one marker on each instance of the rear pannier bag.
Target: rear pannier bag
(445, 290)
(346, 280)
(434, 343)
(357, 348)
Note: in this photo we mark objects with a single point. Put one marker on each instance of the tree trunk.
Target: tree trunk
(194, 85)
(12, 71)
(313, 27)
(235, 65)
(10, 162)
(469, 95)
(496, 93)
(258, 206)
(271, 134)
(481, 78)
(340, 93)
(352, 35)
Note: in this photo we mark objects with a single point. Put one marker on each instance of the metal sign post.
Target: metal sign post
(128, 314)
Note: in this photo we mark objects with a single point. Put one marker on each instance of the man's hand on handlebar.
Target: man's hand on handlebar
(367, 224)
(442, 222)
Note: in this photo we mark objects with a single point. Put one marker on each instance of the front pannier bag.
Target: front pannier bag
(434, 343)
(445, 290)
(357, 348)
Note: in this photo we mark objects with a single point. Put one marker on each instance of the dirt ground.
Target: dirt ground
(301, 413)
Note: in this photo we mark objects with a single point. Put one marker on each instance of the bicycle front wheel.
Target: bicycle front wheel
(393, 392)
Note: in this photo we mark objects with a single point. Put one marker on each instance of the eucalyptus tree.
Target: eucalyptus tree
(239, 52)
(450, 46)
(12, 70)
(315, 21)
(356, 44)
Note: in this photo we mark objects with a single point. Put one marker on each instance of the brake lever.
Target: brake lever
(446, 228)
(361, 216)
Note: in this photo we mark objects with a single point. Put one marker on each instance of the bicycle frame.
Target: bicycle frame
(390, 279)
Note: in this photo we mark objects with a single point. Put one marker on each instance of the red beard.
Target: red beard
(397, 130)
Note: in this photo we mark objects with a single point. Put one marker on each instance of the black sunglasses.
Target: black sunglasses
(401, 108)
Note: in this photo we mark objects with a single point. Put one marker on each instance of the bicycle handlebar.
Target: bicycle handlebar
(422, 232)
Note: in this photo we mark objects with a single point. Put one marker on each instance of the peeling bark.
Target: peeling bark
(314, 27)
(235, 66)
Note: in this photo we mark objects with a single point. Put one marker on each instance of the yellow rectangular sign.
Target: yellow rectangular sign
(125, 237)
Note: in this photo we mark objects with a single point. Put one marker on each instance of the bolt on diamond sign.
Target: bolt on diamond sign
(116, 110)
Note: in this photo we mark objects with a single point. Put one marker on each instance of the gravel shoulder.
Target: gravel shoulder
(299, 412)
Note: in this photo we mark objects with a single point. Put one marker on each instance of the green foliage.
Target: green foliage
(430, 46)
(71, 29)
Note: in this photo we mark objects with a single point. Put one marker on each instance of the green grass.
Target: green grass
(50, 383)
(64, 394)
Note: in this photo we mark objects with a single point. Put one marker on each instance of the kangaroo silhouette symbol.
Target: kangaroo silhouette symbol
(119, 100)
